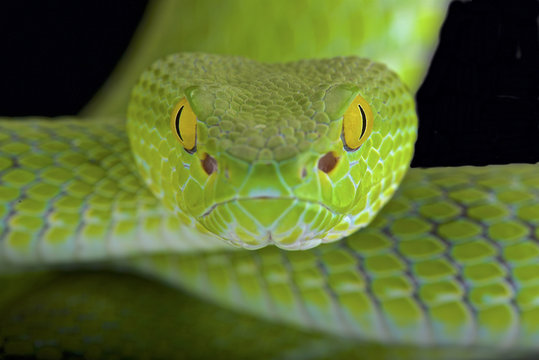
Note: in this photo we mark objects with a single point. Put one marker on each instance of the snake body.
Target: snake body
(446, 268)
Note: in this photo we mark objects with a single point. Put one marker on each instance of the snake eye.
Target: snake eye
(183, 122)
(357, 124)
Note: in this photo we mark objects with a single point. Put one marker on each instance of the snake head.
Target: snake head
(291, 154)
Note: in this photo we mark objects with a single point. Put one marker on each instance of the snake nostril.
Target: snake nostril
(327, 162)
(209, 164)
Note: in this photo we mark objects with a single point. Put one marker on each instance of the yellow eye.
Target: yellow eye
(183, 123)
(357, 124)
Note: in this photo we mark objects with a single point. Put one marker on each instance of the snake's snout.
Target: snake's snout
(266, 202)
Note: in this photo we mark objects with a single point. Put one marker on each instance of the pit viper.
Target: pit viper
(274, 185)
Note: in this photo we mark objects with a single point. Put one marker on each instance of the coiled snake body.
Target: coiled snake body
(288, 155)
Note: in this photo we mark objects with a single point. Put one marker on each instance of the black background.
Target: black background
(479, 103)
(55, 55)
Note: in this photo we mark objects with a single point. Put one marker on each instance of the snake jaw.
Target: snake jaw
(263, 197)
(286, 222)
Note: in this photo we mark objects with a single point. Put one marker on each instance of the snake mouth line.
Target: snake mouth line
(214, 206)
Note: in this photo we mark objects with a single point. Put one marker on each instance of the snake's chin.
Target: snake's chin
(286, 222)
(303, 244)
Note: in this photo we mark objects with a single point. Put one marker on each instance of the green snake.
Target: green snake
(221, 153)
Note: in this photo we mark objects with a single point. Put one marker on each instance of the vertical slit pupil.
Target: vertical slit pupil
(364, 119)
(178, 122)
